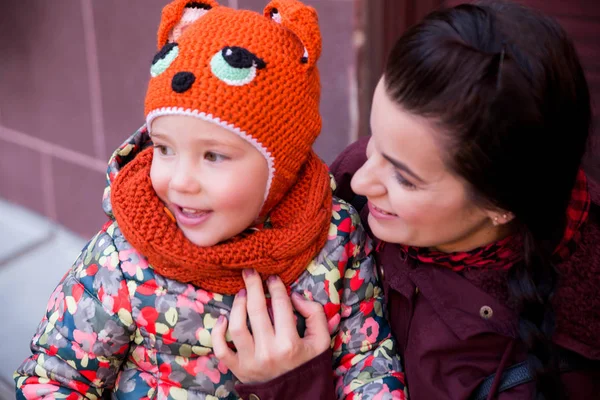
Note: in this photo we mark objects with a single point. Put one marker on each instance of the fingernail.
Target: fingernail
(242, 293)
(272, 279)
(248, 272)
(221, 319)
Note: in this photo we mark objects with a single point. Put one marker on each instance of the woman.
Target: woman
(489, 244)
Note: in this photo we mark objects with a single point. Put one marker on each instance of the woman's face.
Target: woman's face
(414, 199)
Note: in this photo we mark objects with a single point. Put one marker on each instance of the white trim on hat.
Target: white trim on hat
(230, 127)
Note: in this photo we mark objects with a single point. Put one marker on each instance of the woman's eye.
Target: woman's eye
(214, 157)
(164, 58)
(404, 182)
(162, 150)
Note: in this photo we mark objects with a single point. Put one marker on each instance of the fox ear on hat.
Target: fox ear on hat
(303, 21)
(178, 15)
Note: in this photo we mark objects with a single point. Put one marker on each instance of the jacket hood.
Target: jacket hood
(126, 152)
(576, 301)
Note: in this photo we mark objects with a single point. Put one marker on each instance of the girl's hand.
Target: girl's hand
(273, 348)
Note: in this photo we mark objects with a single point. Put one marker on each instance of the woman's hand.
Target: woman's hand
(274, 347)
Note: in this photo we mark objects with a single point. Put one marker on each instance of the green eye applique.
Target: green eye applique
(236, 66)
(164, 58)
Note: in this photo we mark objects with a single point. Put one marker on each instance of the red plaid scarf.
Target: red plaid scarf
(504, 253)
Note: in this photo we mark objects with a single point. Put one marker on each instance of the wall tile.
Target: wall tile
(126, 42)
(78, 195)
(44, 85)
(20, 176)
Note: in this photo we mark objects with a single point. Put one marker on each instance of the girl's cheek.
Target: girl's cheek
(159, 176)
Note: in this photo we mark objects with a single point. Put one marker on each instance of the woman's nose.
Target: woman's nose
(365, 181)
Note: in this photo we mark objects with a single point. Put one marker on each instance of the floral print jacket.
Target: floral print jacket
(115, 325)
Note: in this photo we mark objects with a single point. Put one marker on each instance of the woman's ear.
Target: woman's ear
(303, 21)
(178, 15)
(500, 217)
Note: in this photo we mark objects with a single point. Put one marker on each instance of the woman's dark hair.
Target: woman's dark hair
(505, 86)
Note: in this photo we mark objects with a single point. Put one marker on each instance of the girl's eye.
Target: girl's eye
(214, 157)
(162, 150)
(402, 181)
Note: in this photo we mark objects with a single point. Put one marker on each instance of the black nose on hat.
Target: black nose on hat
(182, 81)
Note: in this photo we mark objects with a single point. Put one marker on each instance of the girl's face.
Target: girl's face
(212, 181)
(414, 199)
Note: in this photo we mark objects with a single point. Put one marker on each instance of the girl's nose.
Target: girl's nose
(184, 179)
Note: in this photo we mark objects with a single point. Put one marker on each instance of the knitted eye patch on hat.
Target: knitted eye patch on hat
(256, 76)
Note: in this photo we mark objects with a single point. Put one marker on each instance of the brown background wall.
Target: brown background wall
(72, 83)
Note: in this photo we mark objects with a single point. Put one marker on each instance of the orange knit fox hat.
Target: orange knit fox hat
(256, 76)
(253, 74)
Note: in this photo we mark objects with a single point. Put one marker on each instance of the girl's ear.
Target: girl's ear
(178, 15)
(303, 21)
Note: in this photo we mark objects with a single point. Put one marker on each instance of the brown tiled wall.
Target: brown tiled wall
(72, 83)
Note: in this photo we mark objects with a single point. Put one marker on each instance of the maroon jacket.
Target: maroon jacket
(456, 329)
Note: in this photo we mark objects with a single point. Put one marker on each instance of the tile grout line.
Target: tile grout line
(44, 147)
(48, 187)
(91, 51)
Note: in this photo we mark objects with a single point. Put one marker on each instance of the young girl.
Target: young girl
(218, 190)
(489, 245)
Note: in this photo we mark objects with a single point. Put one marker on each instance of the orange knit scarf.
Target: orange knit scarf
(300, 225)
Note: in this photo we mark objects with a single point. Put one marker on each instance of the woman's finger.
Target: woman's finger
(238, 328)
(256, 306)
(220, 349)
(283, 312)
(317, 330)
